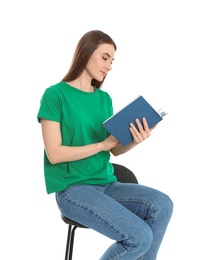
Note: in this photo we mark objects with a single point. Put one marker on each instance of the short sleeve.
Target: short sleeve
(50, 106)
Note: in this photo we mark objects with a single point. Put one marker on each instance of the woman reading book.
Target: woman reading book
(77, 163)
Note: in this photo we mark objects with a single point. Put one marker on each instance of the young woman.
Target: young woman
(77, 158)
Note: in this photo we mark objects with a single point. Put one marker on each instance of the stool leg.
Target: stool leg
(72, 242)
(68, 241)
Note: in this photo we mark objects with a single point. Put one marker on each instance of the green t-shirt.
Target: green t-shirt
(80, 115)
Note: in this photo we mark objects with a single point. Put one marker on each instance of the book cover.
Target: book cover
(118, 124)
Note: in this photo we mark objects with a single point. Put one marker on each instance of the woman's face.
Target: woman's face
(100, 62)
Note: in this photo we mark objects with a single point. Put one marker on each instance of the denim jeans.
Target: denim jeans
(133, 215)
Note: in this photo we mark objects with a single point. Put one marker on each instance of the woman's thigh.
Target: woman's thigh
(143, 201)
(96, 208)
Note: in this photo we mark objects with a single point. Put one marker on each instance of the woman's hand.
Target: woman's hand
(109, 143)
(139, 135)
(143, 131)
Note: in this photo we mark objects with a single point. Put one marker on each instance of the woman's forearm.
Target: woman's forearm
(69, 153)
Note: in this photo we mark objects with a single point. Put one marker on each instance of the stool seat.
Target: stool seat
(71, 222)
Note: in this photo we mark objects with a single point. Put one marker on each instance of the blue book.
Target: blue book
(118, 124)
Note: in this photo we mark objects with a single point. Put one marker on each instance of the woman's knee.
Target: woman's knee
(140, 241)
(167, 206)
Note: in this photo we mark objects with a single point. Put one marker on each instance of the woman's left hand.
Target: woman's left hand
(139, 135)
(143, 131)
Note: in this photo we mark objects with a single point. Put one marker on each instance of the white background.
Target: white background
(161, 54)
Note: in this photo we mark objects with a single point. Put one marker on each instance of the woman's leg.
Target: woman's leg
(90, 206)
(151, 205)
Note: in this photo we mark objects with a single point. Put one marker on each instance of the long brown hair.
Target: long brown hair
(85, 48)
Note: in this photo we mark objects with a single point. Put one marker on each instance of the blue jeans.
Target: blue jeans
(133, 215)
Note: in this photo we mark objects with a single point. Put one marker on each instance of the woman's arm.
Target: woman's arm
(57, 153)
(138, 137)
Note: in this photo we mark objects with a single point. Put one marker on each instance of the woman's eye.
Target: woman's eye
(104, 58)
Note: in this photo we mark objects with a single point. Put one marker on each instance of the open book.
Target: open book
(118, 124)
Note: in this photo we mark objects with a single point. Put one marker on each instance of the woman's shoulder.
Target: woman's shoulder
(55, 88)
(103, 93)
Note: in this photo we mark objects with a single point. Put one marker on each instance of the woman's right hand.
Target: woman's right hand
(109, 143)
